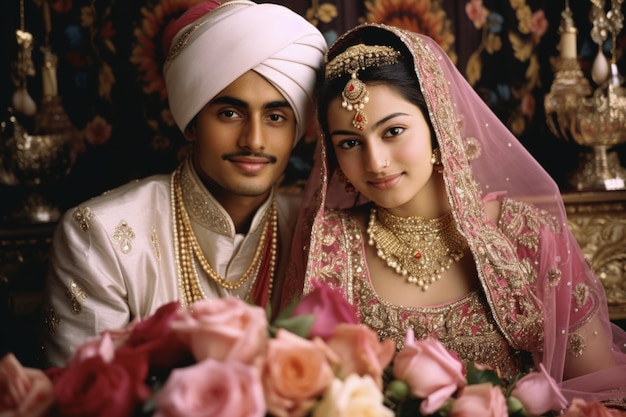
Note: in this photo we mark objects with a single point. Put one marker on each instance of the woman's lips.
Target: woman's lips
(386, 182)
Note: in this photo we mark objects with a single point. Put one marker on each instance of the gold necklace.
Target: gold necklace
(416, 248)
(187, 246)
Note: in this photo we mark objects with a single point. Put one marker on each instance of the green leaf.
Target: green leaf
(299, 325)
(478, 376)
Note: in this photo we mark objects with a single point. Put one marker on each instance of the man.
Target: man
(240, 81)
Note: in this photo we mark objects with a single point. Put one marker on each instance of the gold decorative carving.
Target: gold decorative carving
(598, 222)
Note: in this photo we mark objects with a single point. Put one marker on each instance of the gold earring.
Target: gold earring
(348, 185)
(435, 159)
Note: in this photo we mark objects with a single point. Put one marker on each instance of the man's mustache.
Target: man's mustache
(262, 155)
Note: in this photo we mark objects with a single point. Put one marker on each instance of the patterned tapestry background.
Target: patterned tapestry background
(110, 54)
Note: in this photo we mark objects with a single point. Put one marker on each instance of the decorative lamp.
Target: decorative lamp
(596, 118)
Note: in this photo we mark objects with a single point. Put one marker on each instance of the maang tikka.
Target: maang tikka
(359, 57)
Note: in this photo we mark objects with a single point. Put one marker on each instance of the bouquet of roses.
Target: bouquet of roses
(225, 358)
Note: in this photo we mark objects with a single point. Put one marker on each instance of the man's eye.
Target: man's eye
(276, 118)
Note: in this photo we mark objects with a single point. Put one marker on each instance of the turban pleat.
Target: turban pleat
(209, 54)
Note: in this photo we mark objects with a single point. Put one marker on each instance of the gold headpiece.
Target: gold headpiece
(350, 61)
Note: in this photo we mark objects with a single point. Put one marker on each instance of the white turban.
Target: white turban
(240, 35)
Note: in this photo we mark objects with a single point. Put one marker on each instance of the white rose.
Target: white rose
(356, 396)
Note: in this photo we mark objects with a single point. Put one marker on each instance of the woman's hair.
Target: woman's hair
(399, 76)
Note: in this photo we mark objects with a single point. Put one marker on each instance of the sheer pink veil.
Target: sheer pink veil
(482, 160)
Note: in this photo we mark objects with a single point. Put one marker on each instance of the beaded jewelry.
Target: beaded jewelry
(359, 57)
(418, 249)
(187, 247)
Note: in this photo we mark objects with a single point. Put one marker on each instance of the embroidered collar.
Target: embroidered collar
(206, 210)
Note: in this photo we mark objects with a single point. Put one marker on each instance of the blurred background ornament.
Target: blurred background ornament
(595, 118)
(32, 160)
(23, 68)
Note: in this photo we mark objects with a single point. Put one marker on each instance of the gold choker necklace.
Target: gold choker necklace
(416, 248)
(187, 246)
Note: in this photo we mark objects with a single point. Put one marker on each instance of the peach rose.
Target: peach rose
(539, 393)
(212, 388)
(485, 400)
(329, 306)
(224, 329)
(355, 396)
(23, 391)
(360, 352)
(430, 370)
(295, 373)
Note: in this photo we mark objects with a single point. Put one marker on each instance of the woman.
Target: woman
(430, 214)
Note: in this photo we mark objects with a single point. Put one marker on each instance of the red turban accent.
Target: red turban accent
(186, 18)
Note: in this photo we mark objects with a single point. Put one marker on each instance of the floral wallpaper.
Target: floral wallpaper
(110, 54)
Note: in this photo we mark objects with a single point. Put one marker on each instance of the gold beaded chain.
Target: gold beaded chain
(188, 246)
(416, 248)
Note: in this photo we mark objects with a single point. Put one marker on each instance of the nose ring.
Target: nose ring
(386, 163)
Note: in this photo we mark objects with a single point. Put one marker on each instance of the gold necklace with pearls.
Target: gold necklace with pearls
(416, 248)
(187, 247)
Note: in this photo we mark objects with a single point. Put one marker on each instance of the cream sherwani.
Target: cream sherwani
(114, 257)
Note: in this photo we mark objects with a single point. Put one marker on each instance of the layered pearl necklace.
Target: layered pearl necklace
(418, 249)
(187, 247)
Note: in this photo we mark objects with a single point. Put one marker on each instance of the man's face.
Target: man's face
(243, 139)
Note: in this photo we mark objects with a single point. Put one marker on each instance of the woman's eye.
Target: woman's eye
(347, 144)
(394, 131)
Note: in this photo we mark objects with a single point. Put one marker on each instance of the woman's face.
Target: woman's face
(388, 161)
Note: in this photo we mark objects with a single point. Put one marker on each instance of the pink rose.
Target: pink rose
(155, 337)
(582, 408)
(430, 370)
(329, 306)
(101, 345)
(360, 352)
(119, 337)
(295, 373)
(485, 400)
(539, 393)
(96, 388)
(224, 329)
(23, 391)
(212, 388)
